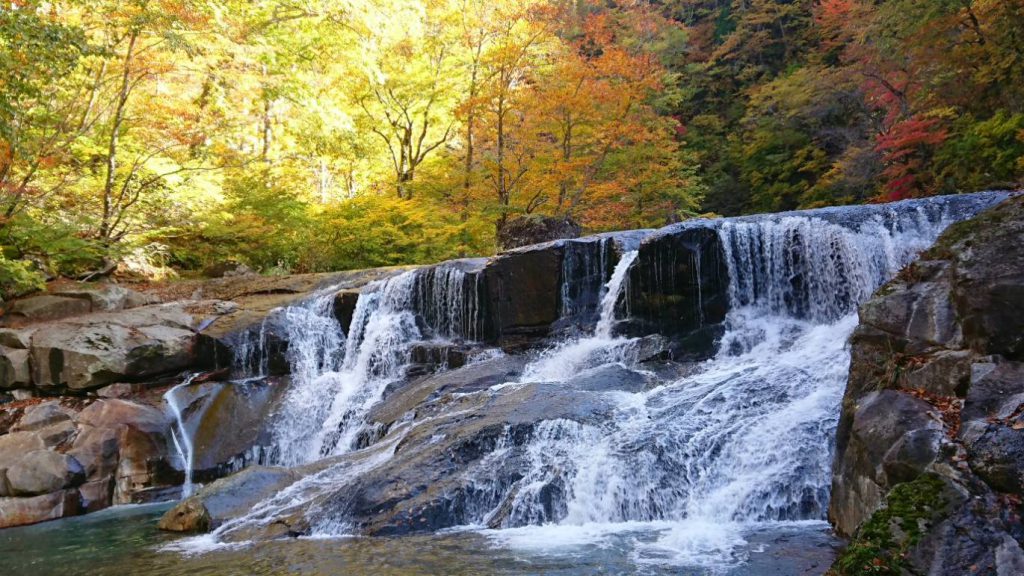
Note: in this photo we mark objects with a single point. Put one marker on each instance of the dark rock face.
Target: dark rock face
(678, 288)
(936, 390)
(528, 230)
(524, 292)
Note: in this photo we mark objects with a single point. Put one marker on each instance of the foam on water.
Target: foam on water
(691, 466)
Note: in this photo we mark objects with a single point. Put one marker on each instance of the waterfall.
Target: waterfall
(180, 435)
(747, 437)
(571, 356)
(448, 301)
(251, 356)
(316, 349)
(703, 453)
(612, 295)
(336, 380)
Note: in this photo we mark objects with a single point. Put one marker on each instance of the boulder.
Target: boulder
(104, 297)
(16, 444)
(935, 397)
(15, 370)
(97, 494)
(892, 433)
(96, 449)
(18, 339)
(21, 511)
(245, 408)
(48, 307)
(226, 498)
(92, 355)
(42, 415)
(531, 229)
(42, 472)
(345, 307)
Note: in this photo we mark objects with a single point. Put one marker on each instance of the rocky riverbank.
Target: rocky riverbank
(929, 470)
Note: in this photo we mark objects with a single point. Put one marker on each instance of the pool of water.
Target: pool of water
(125, 541)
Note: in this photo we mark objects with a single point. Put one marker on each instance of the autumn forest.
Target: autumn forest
(168, 136)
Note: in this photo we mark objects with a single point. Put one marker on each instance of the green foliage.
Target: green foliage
(18, 278)
(882, 541)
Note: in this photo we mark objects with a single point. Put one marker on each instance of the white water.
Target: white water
(744, 441)
(569, 358)
(181, 437)
(336, 380)
(747, 440)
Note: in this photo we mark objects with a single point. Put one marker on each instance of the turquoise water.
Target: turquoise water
(125, 541)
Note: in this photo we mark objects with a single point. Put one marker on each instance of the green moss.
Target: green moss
(882, 542)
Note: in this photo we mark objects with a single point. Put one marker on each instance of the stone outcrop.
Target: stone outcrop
(929, 467)
(529, 229)
(678, 288)
(75, 301)
(226, 498)
(88, 352)
(65, 457)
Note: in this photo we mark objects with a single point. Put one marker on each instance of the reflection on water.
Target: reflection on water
(125, 541)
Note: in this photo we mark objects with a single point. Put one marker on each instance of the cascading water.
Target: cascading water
(742, 441)
(335, 379)
(570, 357)
(745, 440)
(180, 435)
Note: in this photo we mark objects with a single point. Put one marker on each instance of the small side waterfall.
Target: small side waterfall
(180, 435)
(448, 301)
(572, 356)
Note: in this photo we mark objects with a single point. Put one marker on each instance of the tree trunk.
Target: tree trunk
(124, 91)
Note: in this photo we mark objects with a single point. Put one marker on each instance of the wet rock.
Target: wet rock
(472, 378)
(226, 498)
(433, 481)
(345, 307)
(245, 408)
(524, 292)
(96, 495)
(48, 307)
(612, 377)
(428, 357)
(678, 288)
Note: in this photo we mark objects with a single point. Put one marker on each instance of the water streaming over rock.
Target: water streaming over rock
(743, 438)
(748, 437)
(180, 434)
(336, 379)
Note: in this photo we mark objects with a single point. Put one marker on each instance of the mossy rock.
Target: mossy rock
(882, 543)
